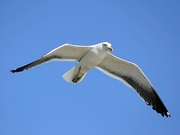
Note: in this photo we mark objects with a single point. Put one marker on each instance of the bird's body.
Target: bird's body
(89, 61)
(98, 56)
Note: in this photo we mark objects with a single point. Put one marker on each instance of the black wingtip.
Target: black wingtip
(15, 70)
(12, 71)
(163, 113)
(168, 114)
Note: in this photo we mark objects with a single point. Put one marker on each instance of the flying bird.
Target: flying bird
(98, 56)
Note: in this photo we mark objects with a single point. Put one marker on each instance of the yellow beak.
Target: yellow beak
(110, 48)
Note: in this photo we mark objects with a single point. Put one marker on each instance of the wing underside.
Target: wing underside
(66, 52)
(131, 75)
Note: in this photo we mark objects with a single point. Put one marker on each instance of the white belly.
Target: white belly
(91, 60)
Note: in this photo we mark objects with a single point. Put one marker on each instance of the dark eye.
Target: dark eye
(105, 44)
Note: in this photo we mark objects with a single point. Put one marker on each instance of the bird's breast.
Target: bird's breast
(92, 59)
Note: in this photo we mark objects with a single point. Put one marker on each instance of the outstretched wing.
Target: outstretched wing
(66, 52)
(132, 75)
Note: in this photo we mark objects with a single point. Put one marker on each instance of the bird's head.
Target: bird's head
(107, 45)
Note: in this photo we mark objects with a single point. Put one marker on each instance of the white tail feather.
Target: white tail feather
(69, 75)
(82, 78)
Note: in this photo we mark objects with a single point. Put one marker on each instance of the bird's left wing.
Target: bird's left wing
(66, 52)
(132, 75)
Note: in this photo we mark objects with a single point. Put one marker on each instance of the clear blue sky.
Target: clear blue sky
(40, 102)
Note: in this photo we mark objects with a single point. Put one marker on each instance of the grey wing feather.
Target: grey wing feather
(66, 52)
(132, 75)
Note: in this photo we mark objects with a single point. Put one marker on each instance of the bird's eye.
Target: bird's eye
(105, 44)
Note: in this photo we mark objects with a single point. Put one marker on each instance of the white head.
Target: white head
(106, 45)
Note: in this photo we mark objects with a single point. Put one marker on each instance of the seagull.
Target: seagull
(98, 56)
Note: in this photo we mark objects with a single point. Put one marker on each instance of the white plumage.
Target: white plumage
(98, 56)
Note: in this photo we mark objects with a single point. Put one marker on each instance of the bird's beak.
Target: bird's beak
(110, 48)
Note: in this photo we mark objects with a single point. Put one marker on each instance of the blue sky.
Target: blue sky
(39, 101)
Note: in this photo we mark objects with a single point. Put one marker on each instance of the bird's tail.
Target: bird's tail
(71, 76)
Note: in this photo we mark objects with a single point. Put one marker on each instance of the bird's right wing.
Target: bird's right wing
(133, 76)
(66, 52)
